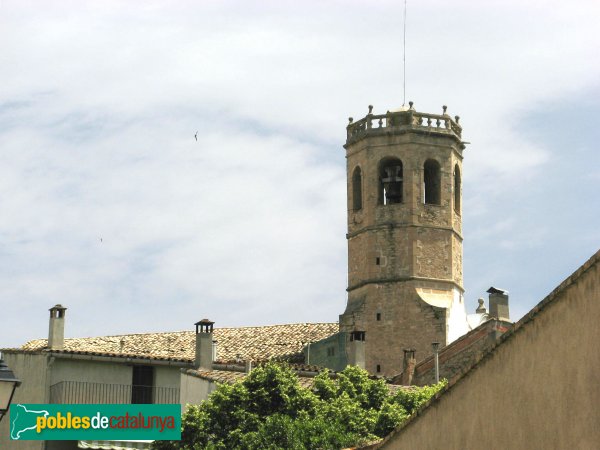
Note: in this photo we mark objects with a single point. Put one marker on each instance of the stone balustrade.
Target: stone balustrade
(403, 120)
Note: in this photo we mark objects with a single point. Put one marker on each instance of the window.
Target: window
(142, 381)
(378, 368)
(331, 351)
(378, 316)
(457, 189)
(357, 189)
(431, 182)
(390, 181)
(377, 260)
(357, 336)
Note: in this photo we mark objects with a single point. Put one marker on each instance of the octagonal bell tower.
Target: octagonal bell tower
(405, 281)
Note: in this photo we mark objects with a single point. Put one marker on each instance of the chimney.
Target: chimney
(204, 345)
(498, 303)
(356, 349)
(215, 354)
(56, 333)
(408, 367)
(435, 346)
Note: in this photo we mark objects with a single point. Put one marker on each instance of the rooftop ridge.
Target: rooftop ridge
(186, 331)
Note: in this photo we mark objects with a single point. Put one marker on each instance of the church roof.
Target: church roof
(246, 343)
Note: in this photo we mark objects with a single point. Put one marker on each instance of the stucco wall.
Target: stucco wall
(39, 372)
(194, 390)
(30, 369)
(165, 376)
(538, 389)
(89, 371)
(329, 352)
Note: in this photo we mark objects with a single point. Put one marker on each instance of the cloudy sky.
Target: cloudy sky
(110, 206)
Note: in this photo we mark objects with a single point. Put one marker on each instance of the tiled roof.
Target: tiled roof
(246, 343)
(230, 377)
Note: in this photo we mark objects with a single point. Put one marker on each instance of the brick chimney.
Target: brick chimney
(498, 303)
(408, 367)
(356, 349)
(204, 345)
(56, 332)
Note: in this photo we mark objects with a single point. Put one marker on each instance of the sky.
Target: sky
(110, 206)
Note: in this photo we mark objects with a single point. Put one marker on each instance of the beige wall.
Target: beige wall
(194, 390)
(39, 372)
(538, 390)
(89, 371)
(108, 372)
(30, 369)
(166, 376)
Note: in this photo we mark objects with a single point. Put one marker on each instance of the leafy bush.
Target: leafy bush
(270, 410)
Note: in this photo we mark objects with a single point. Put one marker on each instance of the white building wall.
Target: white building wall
(457, 318)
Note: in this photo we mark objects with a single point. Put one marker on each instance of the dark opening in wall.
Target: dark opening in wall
(390, 181)
(378, 316)
(377, 260)
(357, 189)
(457, 189)
(378, 368)
(141, 384)
(432, 182)
(357, 336)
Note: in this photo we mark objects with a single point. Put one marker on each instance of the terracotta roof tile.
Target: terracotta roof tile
(247, 343)
(306, 380)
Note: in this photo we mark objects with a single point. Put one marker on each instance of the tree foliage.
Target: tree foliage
(269, 409)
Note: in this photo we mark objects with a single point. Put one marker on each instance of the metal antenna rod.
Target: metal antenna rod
(404, 59)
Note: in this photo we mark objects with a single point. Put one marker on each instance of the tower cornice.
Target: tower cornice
(389, 225)
(385, 280)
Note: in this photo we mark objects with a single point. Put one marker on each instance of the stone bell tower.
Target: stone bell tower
(405, 281)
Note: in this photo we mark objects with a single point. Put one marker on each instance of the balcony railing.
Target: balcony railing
(85, 392)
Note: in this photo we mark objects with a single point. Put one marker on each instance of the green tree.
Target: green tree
(270, 410)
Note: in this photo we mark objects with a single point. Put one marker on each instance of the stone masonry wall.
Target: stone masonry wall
(405, 321)
(394, 249)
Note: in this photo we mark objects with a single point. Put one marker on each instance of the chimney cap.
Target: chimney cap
(204, 322)
(204, 326)
(58, 307)
(494, 290)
